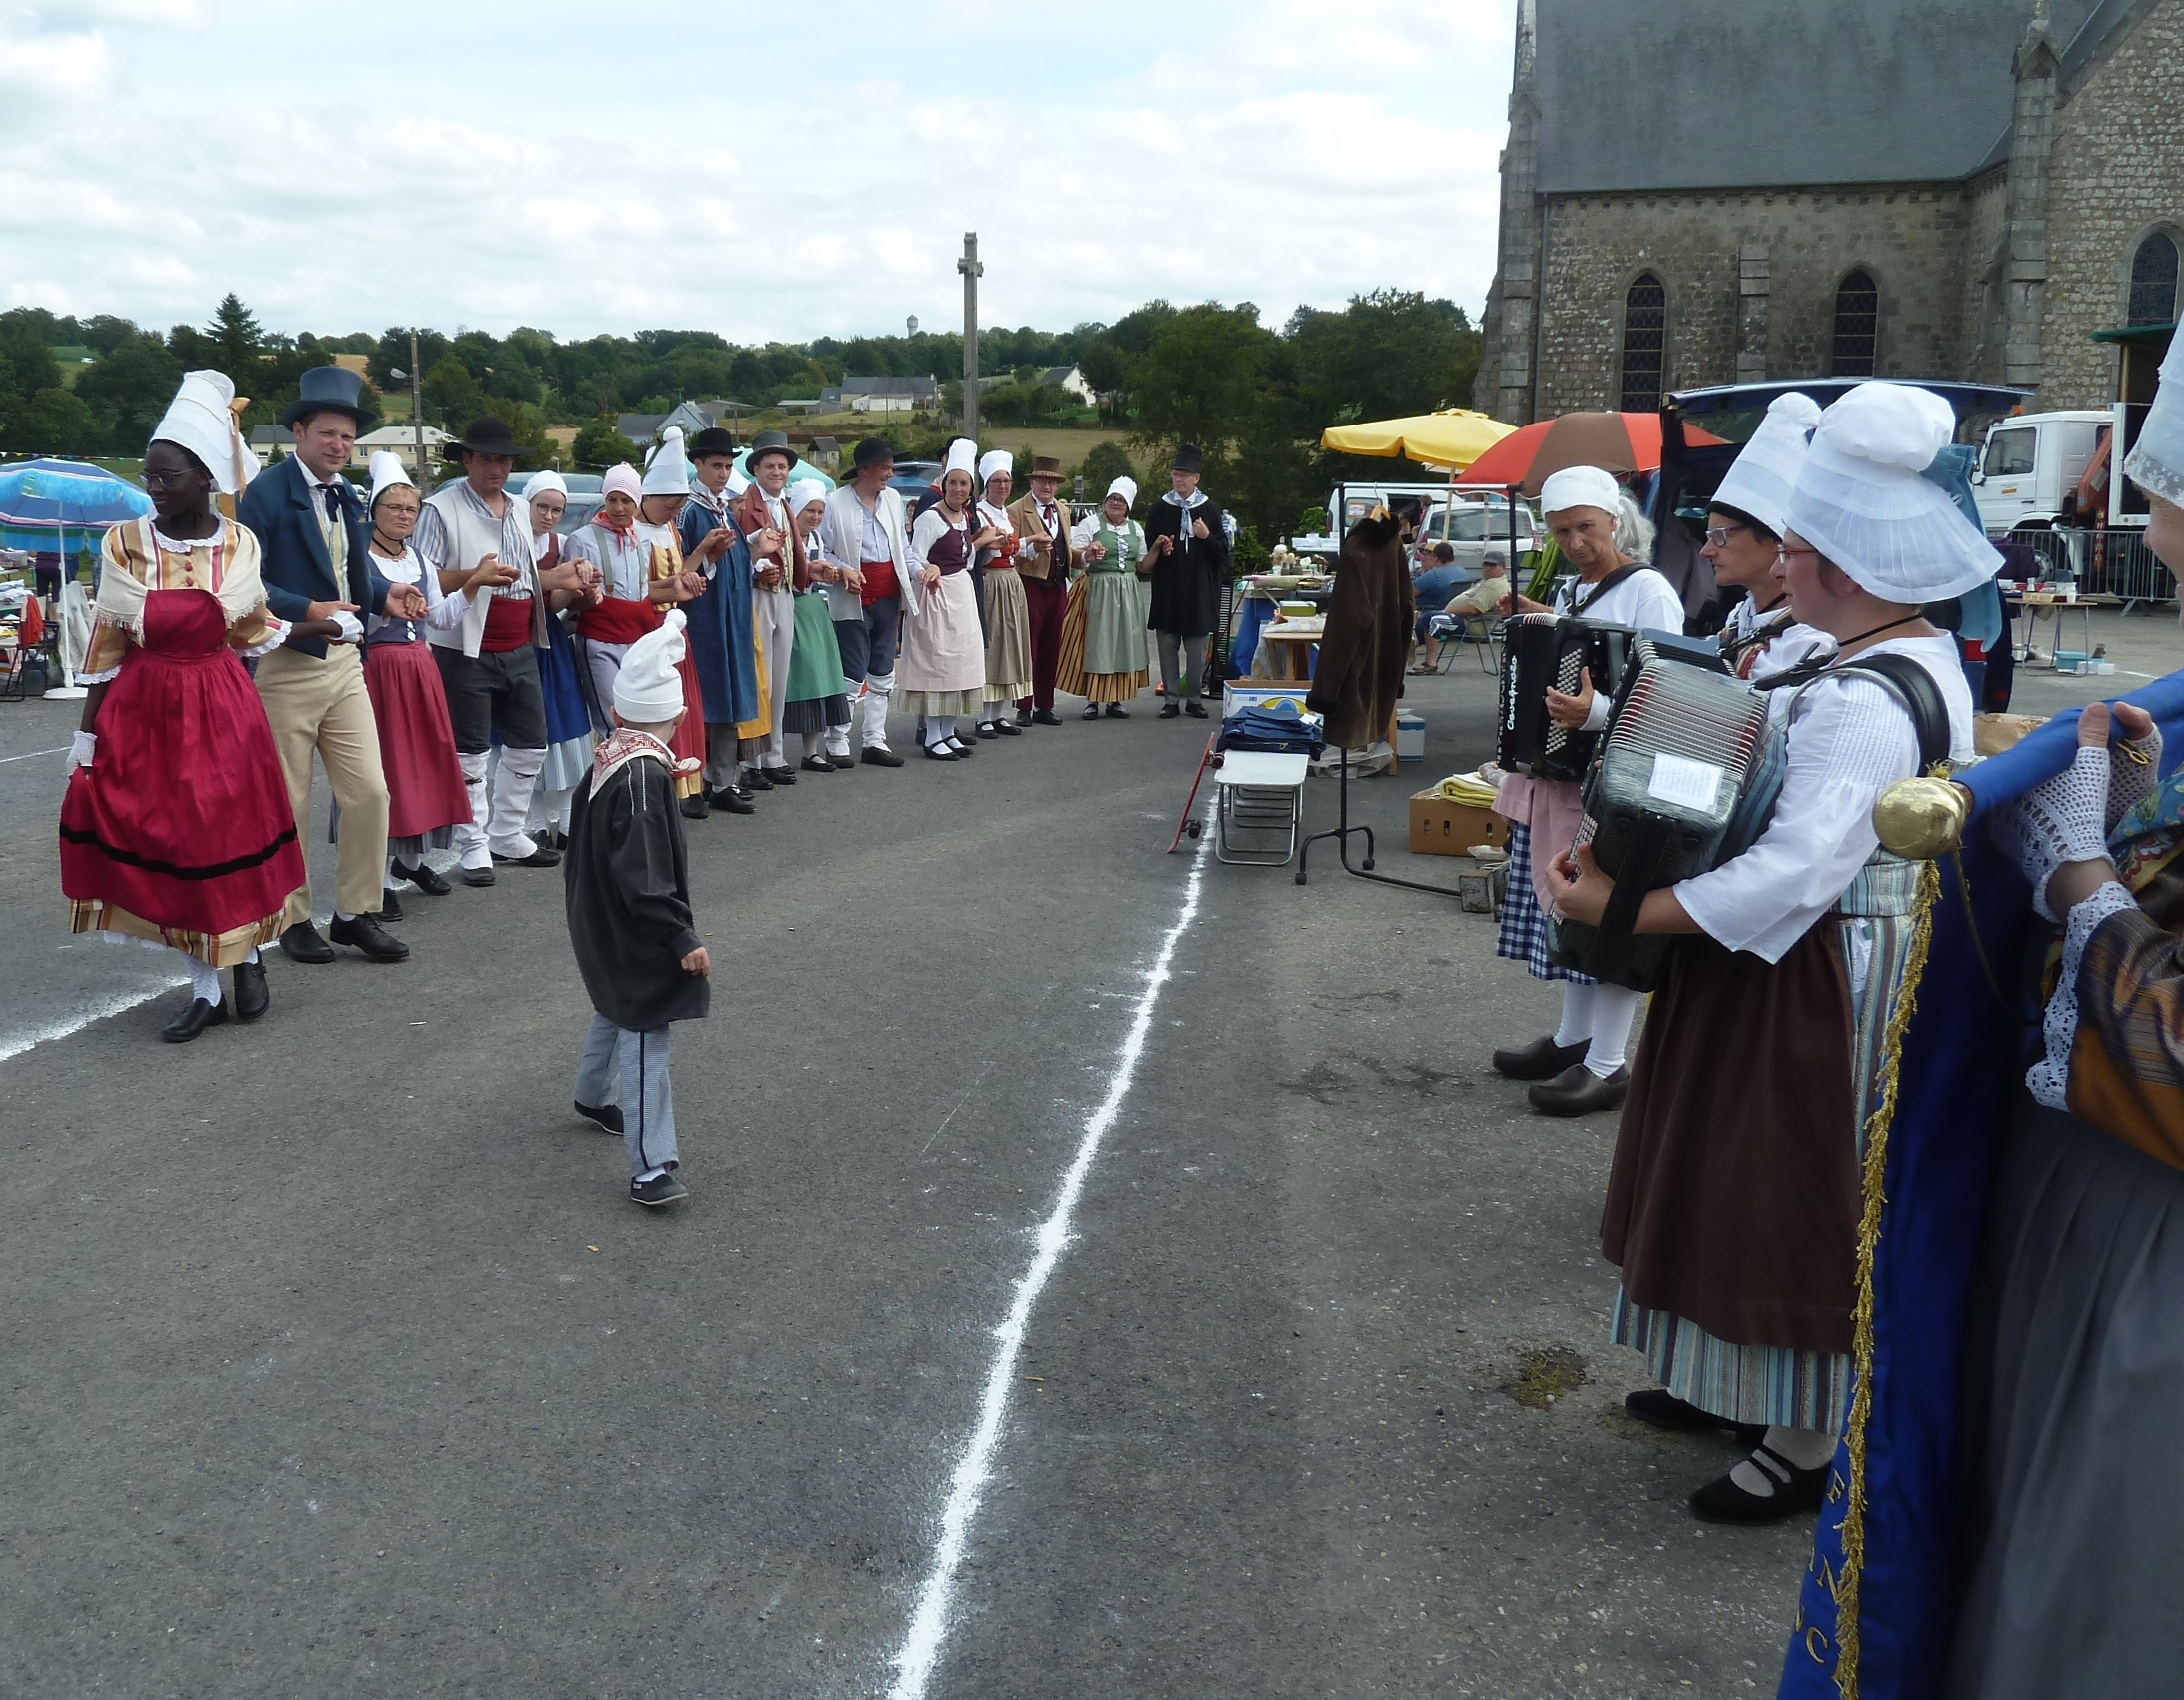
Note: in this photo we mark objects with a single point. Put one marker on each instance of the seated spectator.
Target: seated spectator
(1485, 598)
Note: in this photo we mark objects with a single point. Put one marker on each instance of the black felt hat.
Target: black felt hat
(872, 452)
(713, 439)
(1189, 457)
(487, 434)
(330, 389)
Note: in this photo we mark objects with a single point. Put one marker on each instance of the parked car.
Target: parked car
(1472, 528)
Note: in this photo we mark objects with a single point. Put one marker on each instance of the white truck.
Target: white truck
(2031, 463)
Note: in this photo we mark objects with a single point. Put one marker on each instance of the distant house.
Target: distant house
(826, 451)
(1069, 378)
(803, 404)
(269, 443)
(400, 439)
(880, 395)
(644, 430)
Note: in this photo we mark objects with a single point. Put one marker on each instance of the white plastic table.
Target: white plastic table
(1255, 792)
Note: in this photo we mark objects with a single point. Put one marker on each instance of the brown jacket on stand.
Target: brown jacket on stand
(1024, 514)
(1359, 677)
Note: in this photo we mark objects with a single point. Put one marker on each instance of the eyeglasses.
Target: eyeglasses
(1782, 551)
(165, 481)
(1718, 537)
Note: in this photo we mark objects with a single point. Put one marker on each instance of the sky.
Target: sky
(768, 173)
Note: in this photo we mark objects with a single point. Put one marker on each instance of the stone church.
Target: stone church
(1700, 192)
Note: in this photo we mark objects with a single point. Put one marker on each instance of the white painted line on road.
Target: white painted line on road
(928, 1628)
(15, 1044)
(34, 754)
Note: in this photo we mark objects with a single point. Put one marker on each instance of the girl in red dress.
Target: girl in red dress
(176, 829)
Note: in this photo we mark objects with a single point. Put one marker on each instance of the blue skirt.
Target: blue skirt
(567, 711)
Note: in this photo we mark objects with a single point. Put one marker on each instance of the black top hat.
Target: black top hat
(487, 434)
(330, 389)
(769, 443)
(713, 439)
(871, 453)
(1189, 457)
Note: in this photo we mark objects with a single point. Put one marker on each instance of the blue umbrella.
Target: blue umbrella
(42, 501)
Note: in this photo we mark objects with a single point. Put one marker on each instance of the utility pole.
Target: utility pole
(972, 271)
(416, 408)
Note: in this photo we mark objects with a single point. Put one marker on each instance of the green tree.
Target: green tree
(237, 342)
(128, 391)
(1198, 378)
(1387, 355)
(450, 388)
(600, 445)
(54, 422)
(1106, 463)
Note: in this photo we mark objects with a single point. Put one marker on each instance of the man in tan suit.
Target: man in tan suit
(1042, 521)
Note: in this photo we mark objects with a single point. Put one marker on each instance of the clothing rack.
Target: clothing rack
(1340, 832)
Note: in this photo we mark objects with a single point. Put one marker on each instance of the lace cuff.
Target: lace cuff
(276, 636)
(105, 677)
(2050, 1078)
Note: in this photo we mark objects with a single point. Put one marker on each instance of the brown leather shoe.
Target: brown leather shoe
(1578, 1090)
(1543, 1059)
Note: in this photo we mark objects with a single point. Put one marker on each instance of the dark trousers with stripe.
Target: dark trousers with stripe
(624, 1067)
(1048, 601)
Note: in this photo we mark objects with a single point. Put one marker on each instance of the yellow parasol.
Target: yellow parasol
(1448, 440)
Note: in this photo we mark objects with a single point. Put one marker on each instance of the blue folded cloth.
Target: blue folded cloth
(1277, 729)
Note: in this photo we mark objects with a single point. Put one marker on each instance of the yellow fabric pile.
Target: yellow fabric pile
(1467, 788)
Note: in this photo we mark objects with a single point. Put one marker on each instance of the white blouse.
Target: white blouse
(1644, 601)
(1849, 739)
(443, 611)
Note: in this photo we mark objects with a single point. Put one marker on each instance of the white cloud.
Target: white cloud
(527, 171)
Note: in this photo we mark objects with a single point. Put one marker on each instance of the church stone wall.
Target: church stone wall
(1912, 237)
(2117, 168)
(1981, 310)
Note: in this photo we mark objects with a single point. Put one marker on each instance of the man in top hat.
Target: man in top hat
(763, 514)
(312, 536)
(720, 622)
(488, 662)
(1187, 541)
(1043, 562)
(865, 523)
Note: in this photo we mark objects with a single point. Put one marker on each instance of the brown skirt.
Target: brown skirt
(1734, 1196)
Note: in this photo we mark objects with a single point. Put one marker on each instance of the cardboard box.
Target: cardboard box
(1410, 736)
(1442, 828)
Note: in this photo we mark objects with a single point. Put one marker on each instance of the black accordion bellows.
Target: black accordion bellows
(1543, 652)
(1685, 777)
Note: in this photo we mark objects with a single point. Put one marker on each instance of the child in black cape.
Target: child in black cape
(628, 884)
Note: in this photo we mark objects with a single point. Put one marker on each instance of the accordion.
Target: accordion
(1686, 777)
(1540, 653)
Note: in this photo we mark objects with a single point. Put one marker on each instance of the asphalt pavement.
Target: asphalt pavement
(336, 1361)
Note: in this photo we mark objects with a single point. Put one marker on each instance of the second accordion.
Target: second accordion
(1543, 652)
(1685, 778)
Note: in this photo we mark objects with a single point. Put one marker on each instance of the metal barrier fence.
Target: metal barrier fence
(2104, 562)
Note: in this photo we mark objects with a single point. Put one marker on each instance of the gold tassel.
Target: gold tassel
(1876, 1176)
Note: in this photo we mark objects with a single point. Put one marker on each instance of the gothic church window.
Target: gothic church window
(1645, 343)
(1858, 325)
(2153, 281)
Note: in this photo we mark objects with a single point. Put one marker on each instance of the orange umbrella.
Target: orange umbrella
(1615, 443)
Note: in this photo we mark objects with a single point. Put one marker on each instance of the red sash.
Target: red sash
(619, 619)
(507, 625)
(879, 581)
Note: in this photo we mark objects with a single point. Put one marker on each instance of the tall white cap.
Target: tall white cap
(386, 472)
(649, 689)
(1759, 485)
(199, 419)
(668, 472)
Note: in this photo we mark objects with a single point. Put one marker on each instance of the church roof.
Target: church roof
(1715, 94)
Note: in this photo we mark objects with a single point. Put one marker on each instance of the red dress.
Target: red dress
(181, 829)
(426, 795)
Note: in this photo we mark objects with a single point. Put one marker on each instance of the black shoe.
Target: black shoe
(733, 802)
(1578, 1090)
(1007, 730)
(754, 780)
(816, 764)
(876, 755)
(661, 1190)
(1046, 717)
(693, 808)
(1796, 1492)
(193, 1020)
(366, 935)
(1171, 711)
(477, 876)
(987, 732)
(302, 943)
(1194, 709)
(1657, 1407)
(389, 908)
(1116, 711)
(1543, 1059)
(539, 857)
(250, 996)
(425, 879)
(1023, 718)
(964, 750)
(941, 752)
(608, 1115)
(781, 775)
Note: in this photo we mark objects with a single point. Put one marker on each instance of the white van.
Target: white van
(2031, 462)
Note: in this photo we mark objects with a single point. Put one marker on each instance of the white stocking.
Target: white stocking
(511, 802)
(470, 836)
(204, 979)
(1614, 1008)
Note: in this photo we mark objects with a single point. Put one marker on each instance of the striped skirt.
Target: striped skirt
(1523, 937)
(1774, 1384)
